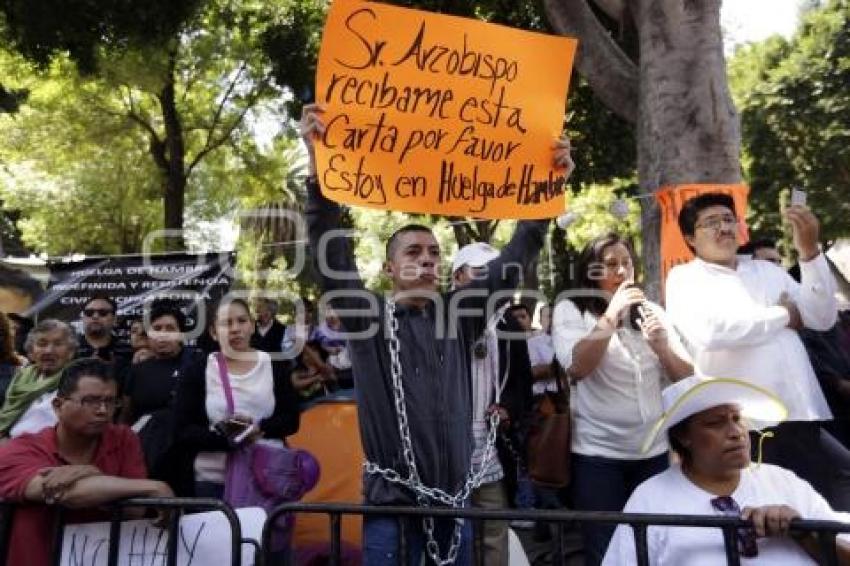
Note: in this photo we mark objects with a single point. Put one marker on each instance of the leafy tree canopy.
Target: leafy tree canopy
(39, 29)
(795, 115)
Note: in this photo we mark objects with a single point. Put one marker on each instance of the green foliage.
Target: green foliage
(292, 44)
(795, 114)
(39, 29)
(105, 139)
(592, 203)
(78, 179)
(10, 100)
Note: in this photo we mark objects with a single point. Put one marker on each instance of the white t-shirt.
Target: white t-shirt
(39, 415)
(730, 322)
(616, 405)
(541, 352)
(671, 492)
(253, 396)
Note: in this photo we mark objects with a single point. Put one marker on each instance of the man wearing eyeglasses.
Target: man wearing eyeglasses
(740, 319)
(82, 463)
(99, 340)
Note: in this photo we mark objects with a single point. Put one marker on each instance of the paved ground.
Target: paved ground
(540, 552)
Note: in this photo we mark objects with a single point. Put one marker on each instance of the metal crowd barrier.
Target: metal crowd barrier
(176, 506)
(826, 530)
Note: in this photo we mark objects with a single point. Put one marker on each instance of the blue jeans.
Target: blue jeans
(605, 484)
(381, 538)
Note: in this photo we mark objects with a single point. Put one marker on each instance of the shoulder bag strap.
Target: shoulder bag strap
(225, 382)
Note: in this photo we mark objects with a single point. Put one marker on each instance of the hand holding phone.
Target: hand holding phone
(231, 428)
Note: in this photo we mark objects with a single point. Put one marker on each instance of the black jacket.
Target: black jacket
(272, 340)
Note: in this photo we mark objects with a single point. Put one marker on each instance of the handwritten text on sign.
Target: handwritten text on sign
(204, 539)
(438, 114)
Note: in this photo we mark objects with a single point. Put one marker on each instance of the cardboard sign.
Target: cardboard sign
(205, 538)
(674, 250)
(438, 114)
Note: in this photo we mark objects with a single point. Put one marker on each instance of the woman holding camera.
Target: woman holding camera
(619, 353)
(264, 403)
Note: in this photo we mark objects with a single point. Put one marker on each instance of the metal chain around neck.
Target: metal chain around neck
(425, 494)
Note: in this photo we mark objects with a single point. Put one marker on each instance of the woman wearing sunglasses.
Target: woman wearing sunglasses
(706, 421)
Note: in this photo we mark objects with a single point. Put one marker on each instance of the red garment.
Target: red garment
(119, 454)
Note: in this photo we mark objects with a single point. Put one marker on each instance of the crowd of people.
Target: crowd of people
(664, 400)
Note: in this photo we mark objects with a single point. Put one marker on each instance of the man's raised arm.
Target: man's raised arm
(331, 248)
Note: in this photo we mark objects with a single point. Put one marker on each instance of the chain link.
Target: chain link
(425, 495)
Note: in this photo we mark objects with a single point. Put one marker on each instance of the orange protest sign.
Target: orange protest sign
(438, 114)
(674, 250)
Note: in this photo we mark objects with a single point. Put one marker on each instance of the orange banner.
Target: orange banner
(438, 114)
(330, 432)
(674, 250)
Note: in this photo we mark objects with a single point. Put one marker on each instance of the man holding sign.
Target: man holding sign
(410, 358)
(433, 114)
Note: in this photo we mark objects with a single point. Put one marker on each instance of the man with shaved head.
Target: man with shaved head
(411, 366)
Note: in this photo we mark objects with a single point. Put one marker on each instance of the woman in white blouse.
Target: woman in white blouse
(618, 363)
(265, 405)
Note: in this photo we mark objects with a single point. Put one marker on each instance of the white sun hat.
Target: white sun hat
(476, 254)
(697, 393)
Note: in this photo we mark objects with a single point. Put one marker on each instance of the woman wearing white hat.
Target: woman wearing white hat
(706, 421)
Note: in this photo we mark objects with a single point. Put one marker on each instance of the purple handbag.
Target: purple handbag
(264, 475)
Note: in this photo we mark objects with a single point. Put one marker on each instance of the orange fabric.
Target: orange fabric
(438, 114)
(674, 250)
(330, 432)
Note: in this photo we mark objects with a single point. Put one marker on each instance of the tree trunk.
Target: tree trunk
(687, 128)
(174, 197)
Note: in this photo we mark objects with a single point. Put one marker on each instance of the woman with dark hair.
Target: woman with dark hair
(619, 352)
(265, 407)
(706, 422)
(10, 361)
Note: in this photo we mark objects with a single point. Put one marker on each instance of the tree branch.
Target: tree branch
(129, 113)
(213, 144)
(607, 69)
(224, 100)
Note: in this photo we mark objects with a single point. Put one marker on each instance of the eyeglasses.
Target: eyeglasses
(745, 536)
(93, 403)
(613, 265)
(99, 312)
(716, 222)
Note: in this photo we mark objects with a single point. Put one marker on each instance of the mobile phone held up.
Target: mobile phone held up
(798, 197)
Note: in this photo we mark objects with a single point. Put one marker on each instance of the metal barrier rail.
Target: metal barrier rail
(177, 505)
(826, 530)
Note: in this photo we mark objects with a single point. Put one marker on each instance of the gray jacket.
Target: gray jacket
(435, 365)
